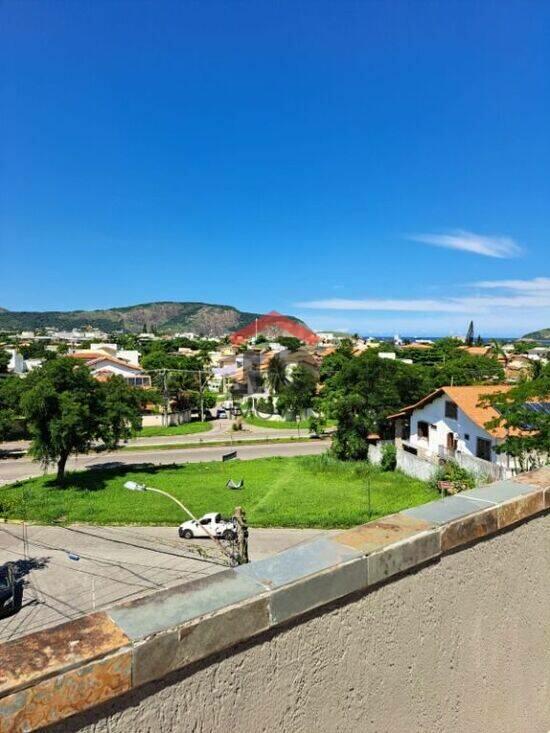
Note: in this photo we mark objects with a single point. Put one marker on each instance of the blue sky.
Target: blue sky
(372, 166)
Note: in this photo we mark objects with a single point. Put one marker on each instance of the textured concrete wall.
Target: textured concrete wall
(459, 646)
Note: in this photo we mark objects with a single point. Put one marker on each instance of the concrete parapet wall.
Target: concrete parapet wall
(433, 619)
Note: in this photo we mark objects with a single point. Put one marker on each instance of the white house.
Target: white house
(16, 364)
(103, 366)
(451, 420)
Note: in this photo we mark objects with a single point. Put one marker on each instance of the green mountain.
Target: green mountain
(544, 334)
(165, 317)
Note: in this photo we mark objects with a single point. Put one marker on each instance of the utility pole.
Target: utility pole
(201, 397)
(242, 536)
(166, 396)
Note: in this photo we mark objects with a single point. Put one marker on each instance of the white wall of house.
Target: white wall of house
(440, 426)
(16, 364)
(109, 366)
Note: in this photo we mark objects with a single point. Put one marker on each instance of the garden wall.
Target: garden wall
(434, 619)
(414, 466)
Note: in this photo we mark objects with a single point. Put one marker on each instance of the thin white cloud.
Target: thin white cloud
(489, 246)
(343, 304)
(537, 284)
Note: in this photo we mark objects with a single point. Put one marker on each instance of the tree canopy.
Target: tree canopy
(68, 411)
(522, 412)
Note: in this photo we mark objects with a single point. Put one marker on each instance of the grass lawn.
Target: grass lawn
(187, 428)
(305, 491)
(259, 422)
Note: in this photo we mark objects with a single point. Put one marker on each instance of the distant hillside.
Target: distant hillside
(544, 334)
(168, 317)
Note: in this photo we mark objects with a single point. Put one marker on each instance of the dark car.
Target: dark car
(11, 591)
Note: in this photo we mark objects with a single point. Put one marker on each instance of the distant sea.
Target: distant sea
(504, 339)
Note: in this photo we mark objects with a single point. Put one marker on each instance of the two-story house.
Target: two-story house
(451, 420)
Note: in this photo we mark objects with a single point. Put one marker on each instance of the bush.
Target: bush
(459, 476)
(317, 424)
(389, 457)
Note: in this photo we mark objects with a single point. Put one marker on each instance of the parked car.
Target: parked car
(221, 414)
(11, 591)
(213, 522)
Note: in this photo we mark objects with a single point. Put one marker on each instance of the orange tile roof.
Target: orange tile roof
(477, 350)
(468, 399)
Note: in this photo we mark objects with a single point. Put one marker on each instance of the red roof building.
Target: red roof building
(272, 326)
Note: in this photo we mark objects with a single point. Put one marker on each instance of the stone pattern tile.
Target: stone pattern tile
(539, 478)
(469, 529)
(45, 653)
(520, 508)
(165, 652)
(298, 562)
(72, 692)
(177, 605)
(401, 556)
(370, 537)
(293, 600)
(446, 510)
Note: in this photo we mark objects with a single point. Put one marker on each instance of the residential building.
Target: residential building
(452, 420)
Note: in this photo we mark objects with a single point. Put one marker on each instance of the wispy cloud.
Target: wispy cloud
(515, 295)
(489, 246)
(535, 285)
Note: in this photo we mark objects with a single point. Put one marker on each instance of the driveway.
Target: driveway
(70, 571)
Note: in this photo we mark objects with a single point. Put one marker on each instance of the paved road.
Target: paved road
(221, 432)
(14, 469)
(114, 564)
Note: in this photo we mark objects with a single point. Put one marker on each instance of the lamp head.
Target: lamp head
(134, 486)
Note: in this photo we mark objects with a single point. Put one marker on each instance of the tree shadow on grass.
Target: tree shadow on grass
(98, 476)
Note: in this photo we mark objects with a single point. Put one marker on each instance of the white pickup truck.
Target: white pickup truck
(209, 525)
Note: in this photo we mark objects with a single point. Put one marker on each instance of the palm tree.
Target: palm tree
(499, 352)
(276, 375)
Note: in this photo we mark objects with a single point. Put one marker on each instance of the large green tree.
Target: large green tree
(523, 413)
(10, 395)
(361, 391)
(299, 393)
(67, 411)
(4, 361)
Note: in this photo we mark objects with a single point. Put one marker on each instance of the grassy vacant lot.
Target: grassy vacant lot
(277, 424)
(187, 428)
(306, 491)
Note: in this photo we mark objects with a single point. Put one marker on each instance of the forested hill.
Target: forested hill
(544, 334)
(169, 317)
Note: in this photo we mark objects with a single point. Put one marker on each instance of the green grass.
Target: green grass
(259, 422)
(187, 428)
(305, 491)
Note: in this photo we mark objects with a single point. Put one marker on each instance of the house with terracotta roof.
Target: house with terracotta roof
(449, 421)
(273, 325)
(103, 367)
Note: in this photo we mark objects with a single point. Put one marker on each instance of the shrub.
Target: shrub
(389, 457)
(451, 471)
(317, 424)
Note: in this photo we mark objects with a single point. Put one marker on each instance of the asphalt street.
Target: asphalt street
(14, 469)
(70, 571)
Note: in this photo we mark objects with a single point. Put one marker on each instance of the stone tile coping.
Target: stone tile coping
(179, 604)
(50, 675)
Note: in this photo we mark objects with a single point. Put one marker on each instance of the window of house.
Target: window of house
(483, 449)
(451, 410)
(466, 436)
(423, 430)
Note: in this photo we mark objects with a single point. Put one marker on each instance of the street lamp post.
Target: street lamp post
(134, 486)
